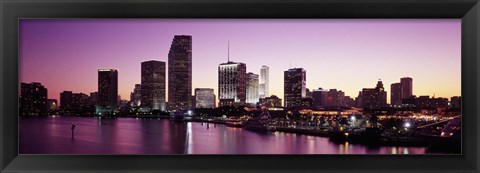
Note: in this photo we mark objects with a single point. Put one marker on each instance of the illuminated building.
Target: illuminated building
(204, 98)
(152, 87)
(264, 82)
(33, 99)
(180, 73)
(107, 91)
(232, 83)
(294, 87)
(252, 88)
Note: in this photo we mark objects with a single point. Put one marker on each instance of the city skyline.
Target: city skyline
(433, 76)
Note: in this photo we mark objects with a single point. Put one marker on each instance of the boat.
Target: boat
(234, 123)
(260, 123)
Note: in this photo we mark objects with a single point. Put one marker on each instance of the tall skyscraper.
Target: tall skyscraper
(180, 73)
(153, 85)
(252, 88)
(232, 83)
(204, 98)
(407, 87)
(294, 87)
(107, 91)
(396, 94)
(264, 80)
(33, 99)
(136, 95)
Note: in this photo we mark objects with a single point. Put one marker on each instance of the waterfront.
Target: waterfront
(52, 135)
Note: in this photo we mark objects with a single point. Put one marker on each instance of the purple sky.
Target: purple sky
(343, 54)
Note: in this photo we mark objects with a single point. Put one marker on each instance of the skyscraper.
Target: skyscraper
(294, 86)
(252, 88)
(33, 99)
(232, 83)
(204, 98)
(180, 73)
(396, 94)
(107, 91)
(400, 91)
(264, 80)
(153, 86)
(407, 87)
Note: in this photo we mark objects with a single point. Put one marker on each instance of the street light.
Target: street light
(353, 119)
(407, 125)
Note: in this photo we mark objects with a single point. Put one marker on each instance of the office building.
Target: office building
(33, 99)
(152, 87)
(107, 91)
(232, 83)
(180, 73)
(204, 98)
(252, 88)
(374, 98)
(294, 87)
(264, 82)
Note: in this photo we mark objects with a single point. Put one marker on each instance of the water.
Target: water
(52, 135)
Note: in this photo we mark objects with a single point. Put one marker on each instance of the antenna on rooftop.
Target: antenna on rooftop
(228, 51)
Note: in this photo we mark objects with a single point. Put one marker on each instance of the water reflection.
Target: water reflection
(52, 135)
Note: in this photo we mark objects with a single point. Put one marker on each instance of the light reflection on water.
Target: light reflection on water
(52, 135)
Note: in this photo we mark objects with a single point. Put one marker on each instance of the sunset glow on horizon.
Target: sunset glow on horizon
(342, 54)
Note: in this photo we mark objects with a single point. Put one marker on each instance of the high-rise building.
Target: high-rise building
(294, 87)
(152, 87)
(33, 99)
(271, 102)
(252, 88)
(80, 103)
(136, 96)
(66, 101)
(107, 91)
(204, 98)
(232, 83)
(396, 93)
(180, 73)
(264, 81)
(374, 98)
(407, 87)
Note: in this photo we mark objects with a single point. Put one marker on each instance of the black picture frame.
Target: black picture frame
(12, 10)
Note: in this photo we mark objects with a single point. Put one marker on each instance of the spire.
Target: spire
(228, 54)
